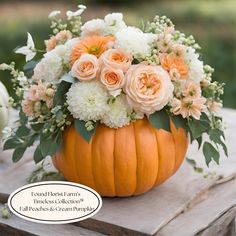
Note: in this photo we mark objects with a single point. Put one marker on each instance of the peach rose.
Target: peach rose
(86, 67)
(116, 58)
(112, 79)
(148, 88)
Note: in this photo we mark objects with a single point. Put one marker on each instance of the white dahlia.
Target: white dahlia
(134, 41)
(118, 113)
(93, 27)
(87, 100)
(196, 71)
(113, 23)
(50, 68)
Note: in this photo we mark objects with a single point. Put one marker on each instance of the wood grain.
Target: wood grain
(17, 226)
(158, 210)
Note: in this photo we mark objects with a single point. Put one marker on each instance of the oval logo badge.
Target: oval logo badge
(55, 202)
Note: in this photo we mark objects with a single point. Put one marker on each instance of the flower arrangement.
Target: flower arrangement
(104, 71)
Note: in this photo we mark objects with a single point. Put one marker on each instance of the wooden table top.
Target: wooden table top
(187, 204)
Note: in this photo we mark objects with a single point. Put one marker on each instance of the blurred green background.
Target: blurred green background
(212, 22)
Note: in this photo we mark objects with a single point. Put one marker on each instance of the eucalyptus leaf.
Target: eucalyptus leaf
(160, 120)
(81, 129)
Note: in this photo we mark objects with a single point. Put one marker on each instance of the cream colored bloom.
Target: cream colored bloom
(86, 67)
(87, 100)
(118, 113)
(148, 88)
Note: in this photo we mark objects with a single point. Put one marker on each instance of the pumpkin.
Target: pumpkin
(4, 98)
(122, 162)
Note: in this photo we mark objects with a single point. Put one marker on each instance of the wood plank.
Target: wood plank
(146, 214)
(17, 226)
(210, 217)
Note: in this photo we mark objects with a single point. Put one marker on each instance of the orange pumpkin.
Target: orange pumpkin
(122, 162)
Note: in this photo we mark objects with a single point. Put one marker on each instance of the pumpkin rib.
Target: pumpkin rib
(114, 164)
(91, 161)
(74, 155)
(135, 143)
(146, 154)
(167, 166)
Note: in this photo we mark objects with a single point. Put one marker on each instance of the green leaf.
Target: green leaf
(215, 135)
(23, 117)
(22, 131)
(48, 147)
(160, 120)
(210, 153)
(29, 68)
(37, 126)
(81, 129)
(199, 140)
(198, 127)
(60, 95)
(38, 154)
(68, 78)
(18, 153)
(11, 144)
(191, 162)
(179, 122)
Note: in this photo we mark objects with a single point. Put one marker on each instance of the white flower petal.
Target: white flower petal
(30, 56)
(23, 50)
(30, 41)
(54, 14)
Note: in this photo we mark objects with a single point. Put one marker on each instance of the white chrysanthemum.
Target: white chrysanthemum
(87, 100)
(93, 27)
(113, 23)
(135, 41)
(50, 68)
(196, 71)
(64, 50)
(118, 114)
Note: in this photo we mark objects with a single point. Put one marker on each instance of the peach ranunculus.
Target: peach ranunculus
(94, 45)
(112, 79)
(187, 107)
(148, 88)
(59, 38)
(116, 58)
(175, 65)
(86, 67)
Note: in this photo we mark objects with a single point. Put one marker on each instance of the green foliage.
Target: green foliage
(80, 126)
(160, 120)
